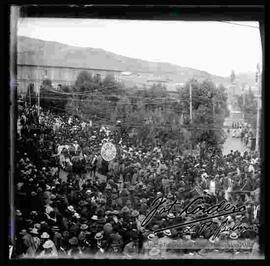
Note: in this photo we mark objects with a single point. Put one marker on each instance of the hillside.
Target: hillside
(34, 51)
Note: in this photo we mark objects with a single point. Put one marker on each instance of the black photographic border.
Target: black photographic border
(164, 10)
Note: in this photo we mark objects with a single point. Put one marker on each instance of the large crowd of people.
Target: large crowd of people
(69, 201)
(244, 131)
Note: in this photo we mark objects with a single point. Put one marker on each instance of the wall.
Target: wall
(27, 74)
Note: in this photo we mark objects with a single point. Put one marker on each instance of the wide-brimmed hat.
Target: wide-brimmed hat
(108, 212)
(77, 215)
(125, 209)
(48, 244)
(34, 231)
(84, 227)
(73, 241)
(23, 232)
(159, 193)
(151, 236)
(37, 225)
(99, 235)
(135, 213)
(45, 235)
(18, 213)
(167, 232)
(171, 216)
(154, 251)
(71, 208)
(115, 212)
(233, 235)
(94, 217)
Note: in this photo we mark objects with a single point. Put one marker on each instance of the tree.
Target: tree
(209, 109)
(84, 82)
(248, 105)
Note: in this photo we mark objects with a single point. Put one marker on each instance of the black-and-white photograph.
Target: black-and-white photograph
(137, 139)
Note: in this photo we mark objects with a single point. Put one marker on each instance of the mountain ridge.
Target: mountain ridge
(40, 52)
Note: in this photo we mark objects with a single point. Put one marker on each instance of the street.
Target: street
(232, 143)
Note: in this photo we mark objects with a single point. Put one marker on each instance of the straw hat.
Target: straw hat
(71, 208)
(18, 213)
(37, 225)
(115, 212)
(171, 216)
(48, 244)
(23, 232)
(233, 235)
(99, 235)
(34, 231)
(76, 215)
(151, 236)
(73, 241)
(167, 232)
(84, 227)
(45, 235)
(135, 213)
(94, 217)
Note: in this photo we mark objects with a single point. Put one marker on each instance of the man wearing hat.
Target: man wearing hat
(100, 244)
(131, 249)
(150, 242)
(32, 242)
(49, 249)
(164, 242)
(74, 248)
(57, 237)
(116, 243)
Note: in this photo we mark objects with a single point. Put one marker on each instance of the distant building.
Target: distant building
(35, 74)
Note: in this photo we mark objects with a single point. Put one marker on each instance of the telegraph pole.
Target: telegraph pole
(38, 101)
(213, 103)
(190, 102)
(190, 109)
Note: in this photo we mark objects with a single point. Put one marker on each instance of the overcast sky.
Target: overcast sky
(211, 46)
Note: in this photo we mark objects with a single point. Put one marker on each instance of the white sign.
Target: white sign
(108, 151)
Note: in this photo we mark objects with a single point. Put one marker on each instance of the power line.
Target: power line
(238, 24)
(163, 101)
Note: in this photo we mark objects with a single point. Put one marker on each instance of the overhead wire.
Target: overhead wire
(239, 24)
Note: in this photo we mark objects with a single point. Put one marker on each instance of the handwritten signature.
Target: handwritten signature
(195, 207)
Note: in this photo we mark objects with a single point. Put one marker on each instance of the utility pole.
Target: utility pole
(190, 109)
(213, 106)
(38, 101)
(244, 105)
(190, 102)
